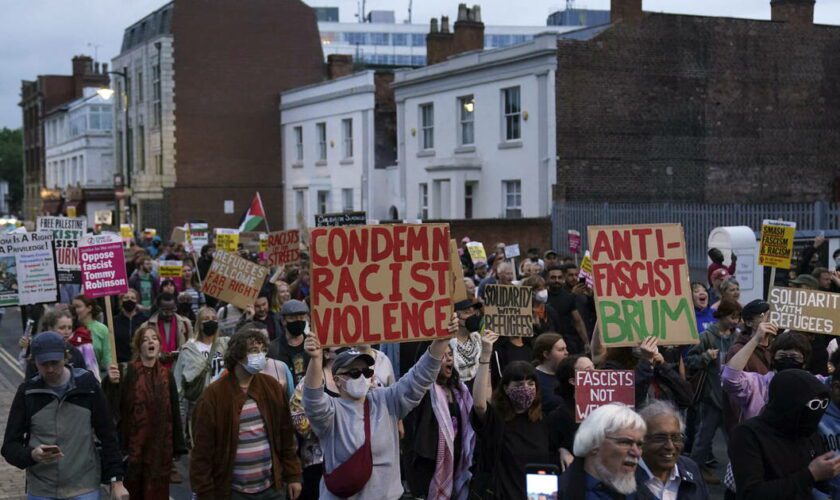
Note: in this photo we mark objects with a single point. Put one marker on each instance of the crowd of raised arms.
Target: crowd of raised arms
(257, 408)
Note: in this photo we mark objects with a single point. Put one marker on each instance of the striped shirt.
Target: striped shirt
(252, 464)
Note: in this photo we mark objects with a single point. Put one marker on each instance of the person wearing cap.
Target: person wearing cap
(466, 344)
(716, 256)
(288, 348)
(54, 421)
(358, 430)
(717, 278)
(804, 281)
(550, 259)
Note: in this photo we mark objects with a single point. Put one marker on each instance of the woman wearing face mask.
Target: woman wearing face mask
(126, 323)
(144, 403)
(545, 317)
(466, 345)
(358, 431)
(510, 426)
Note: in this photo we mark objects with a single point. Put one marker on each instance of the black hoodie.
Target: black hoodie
(771, 452)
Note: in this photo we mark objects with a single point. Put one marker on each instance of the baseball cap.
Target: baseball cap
(48, 346)
(754, 308)
(549, 252)
(467, 304)
(806, 280)
(720, 274)
(293, 306)
(345, 358)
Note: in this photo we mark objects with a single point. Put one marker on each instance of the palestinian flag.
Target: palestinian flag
(254, 216)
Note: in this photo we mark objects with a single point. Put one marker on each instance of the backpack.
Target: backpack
(192, 389)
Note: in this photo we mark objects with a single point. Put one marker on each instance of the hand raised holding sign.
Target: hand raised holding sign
(648, 348)
(438, 347)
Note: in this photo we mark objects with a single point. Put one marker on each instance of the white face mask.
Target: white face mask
(357, 387)
(541, 296)
(256, 363)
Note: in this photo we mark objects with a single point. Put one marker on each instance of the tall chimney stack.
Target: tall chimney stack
(795, 12)
(469, 30)
(627, 10)
(438, 42)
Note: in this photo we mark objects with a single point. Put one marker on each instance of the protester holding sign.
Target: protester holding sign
(466, 345)
(288, 347)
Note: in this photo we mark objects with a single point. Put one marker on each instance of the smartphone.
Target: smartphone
(542, 481)
(582, 280)
(52, 449)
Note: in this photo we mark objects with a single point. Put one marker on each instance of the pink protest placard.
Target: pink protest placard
(596, 388)
(574, 241)
(103, 265)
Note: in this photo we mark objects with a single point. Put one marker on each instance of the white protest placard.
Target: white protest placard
(27, 269)
(66, 233)
(512, 251)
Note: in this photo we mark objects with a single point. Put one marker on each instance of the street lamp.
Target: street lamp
(106, 93)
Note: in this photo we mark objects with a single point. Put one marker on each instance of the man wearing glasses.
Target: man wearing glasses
(663, 472)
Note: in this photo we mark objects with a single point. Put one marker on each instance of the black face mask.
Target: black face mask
(782, 364)
(209, 328)
(129, 305)
(473, 323)
(296, 328)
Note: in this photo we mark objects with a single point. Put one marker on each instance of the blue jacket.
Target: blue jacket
(830, 433)
(692, 486)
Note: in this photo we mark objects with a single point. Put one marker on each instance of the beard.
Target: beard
(622, 483)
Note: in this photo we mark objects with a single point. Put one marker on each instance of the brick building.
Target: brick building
(38, 98)
(663, 107)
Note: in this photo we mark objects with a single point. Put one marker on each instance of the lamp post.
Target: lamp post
(106, 93)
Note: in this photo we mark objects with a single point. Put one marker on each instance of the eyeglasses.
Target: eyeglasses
(817, 404)
(625, 443)
(662, 439)
(356, 373)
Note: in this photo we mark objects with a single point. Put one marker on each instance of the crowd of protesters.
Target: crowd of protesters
(261, 410)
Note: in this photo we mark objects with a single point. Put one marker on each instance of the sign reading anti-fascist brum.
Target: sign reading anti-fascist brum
(233, 279)
(103, 265)
(642, 285)
(803, 310)
(508, 310)
(373, 284)
(776, 245)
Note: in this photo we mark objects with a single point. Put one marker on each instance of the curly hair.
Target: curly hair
(239, 344)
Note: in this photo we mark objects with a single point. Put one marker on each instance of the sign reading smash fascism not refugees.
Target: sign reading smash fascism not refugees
(372, 284)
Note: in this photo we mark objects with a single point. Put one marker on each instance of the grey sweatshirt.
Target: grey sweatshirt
(339, 425)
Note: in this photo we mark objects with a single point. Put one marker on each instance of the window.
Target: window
(298, 131)
(418, 39)
(321, 129)
(141, 148)
(156, 116)
(347, 137)
(139, 86)
(512, 198)
(418, 60)
(159, 164)
(469, 199)
(427, 126)
(300, 211)
(347, 199)
(323, 202)
(355, 38)
(513, 114)
(378, 39)
(466, 110)
(78, 123)
(127, 84)
(399, 39)
(424, 201)
(100, 118)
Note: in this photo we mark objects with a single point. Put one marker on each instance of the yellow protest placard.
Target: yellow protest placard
(477, 253)
(171, 269)
(227, 239)
(776, 246)
(263, 242)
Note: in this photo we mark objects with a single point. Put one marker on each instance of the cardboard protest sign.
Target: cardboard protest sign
(642, 284)
(66, 233)
(227, 239)
(574, 241)
(508, 310)
(512, 251)
(179, 235)
(373, 284)
(459, 290)
(341, 219)
(172, 270)
(596, 388)
(477, 253)
(263, 242)
(586, 269)
(776, 245)
(283, 247)
(27, 269)
(198, 235)
(804, 310)
(103, 265)
(233, 279)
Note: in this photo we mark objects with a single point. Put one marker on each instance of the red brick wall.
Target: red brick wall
(528, 233)
(232, 60)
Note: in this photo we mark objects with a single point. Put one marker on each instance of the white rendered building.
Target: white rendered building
(476, 134)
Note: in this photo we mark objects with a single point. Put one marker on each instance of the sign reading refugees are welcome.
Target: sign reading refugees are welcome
(803, 310)
(283, 247)
(373, 284)
(641, 282)
(103, 265)
(596, 388)
(233, 279)
(508, 310)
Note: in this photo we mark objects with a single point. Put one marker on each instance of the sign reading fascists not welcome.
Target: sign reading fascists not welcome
(233, 279)
(508, 310)
(596, 388)
(805, 310)
(373, 284)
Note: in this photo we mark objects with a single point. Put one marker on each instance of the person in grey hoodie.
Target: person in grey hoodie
(358, 431)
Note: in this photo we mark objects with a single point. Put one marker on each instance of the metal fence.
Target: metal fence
(697, 219)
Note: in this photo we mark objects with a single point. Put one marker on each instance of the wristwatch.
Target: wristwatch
(116, 479)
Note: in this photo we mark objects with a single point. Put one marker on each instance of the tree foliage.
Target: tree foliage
(11, 165)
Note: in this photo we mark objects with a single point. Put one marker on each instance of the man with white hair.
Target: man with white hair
(503, 276)
(663, 473)
(608, 448)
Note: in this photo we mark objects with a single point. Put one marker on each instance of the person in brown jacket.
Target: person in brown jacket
(244, 442)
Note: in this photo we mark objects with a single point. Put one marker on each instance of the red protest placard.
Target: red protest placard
(596, 388)
(372, 284)
(103, 265)
(283, 247)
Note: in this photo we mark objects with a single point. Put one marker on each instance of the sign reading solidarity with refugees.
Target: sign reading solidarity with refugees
(66, 233)
(507, 310)
(233, 279)
(477, 253)
(283, 247)
(27, 269)
(373, 284)
(776, 246)
(227, 239)
(103, 265)
(341, 219)
(641, 284)
(803, 310)
(596, 388)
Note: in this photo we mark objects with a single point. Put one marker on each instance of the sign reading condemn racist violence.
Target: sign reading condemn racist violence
(66, 233)
(776, 245)
(642, 285)
(373, 284)
(283, 247)
(233, 279)
(507, 310)
(103, 265)
(805, 310)
(27, 269)
(596, 388)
